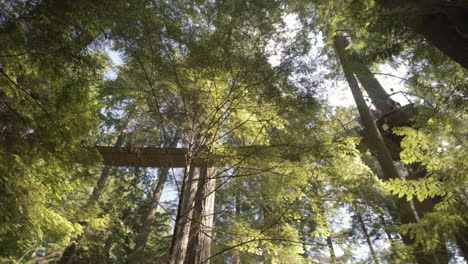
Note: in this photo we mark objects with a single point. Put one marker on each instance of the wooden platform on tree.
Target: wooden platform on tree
(397, 118)
(147, 157)
(179, 157)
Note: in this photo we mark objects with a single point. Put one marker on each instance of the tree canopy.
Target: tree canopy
(228, 145)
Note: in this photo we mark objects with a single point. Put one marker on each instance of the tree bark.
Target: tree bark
(444, 24)
(184, 214)
(199, 250)
(462, 242)
(69, 254)
(443, 34)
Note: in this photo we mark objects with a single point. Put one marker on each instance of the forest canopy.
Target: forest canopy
(190, 132)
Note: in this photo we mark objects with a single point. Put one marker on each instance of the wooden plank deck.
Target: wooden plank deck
(178, 157)
(147, 157)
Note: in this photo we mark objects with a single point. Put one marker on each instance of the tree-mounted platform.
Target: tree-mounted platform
(179, 157)
(148, 157)
(399, 117)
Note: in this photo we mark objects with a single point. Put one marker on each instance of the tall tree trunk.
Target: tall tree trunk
(379, 96)
(383, 155)
(376, 142)
(144, 229)
(444, 24)
(69, 254)
(108, 245)
(184, 214)
(440, 31)
(366, 235)
(199, 250)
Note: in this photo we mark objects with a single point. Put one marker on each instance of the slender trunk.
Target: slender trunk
(331, 250)
(199, 250)
(144, 229)
(366, 235)
(101, 183)
(236, 257)
(383, 155)
(184, 214)
(321, 210)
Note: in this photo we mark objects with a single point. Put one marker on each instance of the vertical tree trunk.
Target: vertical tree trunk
(199, 250)
(366, 235)
(383, 155)
(379, 96)
(236, 257)
(376, 142)
(442, 33)
(108, 245)
(444, 24)
(184, 214)
(144, 229)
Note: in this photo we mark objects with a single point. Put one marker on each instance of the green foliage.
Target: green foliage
(421, 189)
(201, 71)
